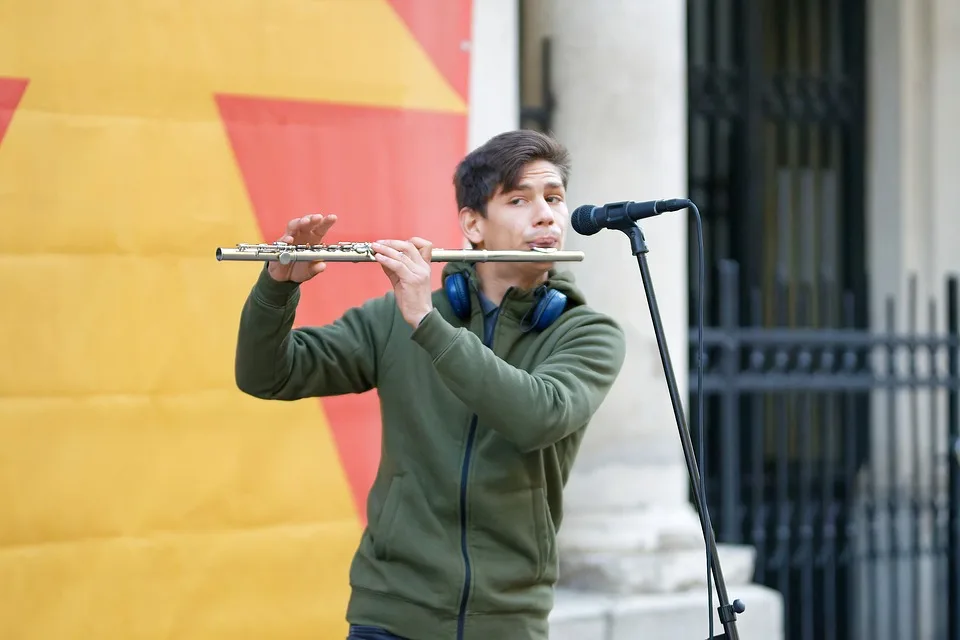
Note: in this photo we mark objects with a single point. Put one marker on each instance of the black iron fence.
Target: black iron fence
(832, 451)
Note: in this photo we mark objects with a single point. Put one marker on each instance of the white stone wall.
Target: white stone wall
(913, 146)
(494, 64)
(913, 229)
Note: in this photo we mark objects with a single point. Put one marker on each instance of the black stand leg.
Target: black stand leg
(728, 612)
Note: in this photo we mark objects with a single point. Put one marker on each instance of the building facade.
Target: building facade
(817, 140)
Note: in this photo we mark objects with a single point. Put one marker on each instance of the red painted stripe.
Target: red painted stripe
(386, 173)
(441, 28)
(11, 91)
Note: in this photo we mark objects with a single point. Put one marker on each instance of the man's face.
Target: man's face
(532, 215)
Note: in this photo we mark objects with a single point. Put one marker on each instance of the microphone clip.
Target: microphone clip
(638, 244)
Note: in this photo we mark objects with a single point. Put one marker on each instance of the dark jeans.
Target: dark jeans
(365, 632)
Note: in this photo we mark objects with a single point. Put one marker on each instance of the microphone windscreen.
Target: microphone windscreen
(583, 221)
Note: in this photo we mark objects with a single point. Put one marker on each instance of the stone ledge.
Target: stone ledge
(665, 571)
(582, 615)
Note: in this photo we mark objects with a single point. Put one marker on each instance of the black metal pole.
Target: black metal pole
(953, 464)
(727, 611)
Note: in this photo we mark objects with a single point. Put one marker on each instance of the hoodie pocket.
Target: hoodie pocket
(545, 534)
(387, 519)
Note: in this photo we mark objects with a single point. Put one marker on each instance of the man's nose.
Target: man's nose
(544, 214)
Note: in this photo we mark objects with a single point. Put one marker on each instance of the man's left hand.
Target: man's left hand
(407, 264)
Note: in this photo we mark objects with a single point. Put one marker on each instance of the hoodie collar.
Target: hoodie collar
(517, 301)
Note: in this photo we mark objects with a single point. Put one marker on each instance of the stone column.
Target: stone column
(619, 71)
(945, 164)
(913, 101)
(621, 109)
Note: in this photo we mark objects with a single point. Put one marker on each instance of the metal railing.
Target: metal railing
(833, 452)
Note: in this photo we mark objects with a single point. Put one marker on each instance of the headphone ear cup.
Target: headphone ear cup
(458, 295)
(551, 306)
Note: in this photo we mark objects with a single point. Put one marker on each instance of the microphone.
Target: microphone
(589, 219)
(622, 216)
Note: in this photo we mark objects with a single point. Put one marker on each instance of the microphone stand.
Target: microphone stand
(727, 611)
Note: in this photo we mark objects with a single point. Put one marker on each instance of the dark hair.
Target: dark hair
(499, 162)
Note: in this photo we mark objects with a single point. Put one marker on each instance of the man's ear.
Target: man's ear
(471, 225)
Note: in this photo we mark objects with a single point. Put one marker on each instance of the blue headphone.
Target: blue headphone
(550, 303)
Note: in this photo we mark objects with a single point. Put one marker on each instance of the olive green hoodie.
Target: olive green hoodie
(477, 445)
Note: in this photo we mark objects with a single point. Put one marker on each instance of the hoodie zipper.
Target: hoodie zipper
(464, 475)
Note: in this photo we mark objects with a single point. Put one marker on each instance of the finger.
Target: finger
(306, 226)
(293, 232)
(293, 226)
(419, 242)
(312, 222)
(317, 267)
(394, 265)
(290, 232)
(425, 247)
(405, 248)
(306, 222)
(390, 274)
(323, 225)
(303, 227)
(388, 248)
(400, 266)
(407, 257)
(312, 228)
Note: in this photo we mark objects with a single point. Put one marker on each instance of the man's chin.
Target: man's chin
(536, 269)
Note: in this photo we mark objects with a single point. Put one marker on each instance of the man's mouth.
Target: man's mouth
(543, 243)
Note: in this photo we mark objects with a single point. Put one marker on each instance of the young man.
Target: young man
(486, 387)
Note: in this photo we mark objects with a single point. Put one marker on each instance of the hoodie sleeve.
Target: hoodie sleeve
(274, 361)
(531, 409)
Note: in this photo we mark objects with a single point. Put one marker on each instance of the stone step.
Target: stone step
(583, 615)
(663, 571)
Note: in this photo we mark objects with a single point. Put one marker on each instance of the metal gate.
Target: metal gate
(834, 454)
(776, 145)
(830, 444)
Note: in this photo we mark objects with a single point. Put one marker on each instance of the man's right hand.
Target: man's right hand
(305, 230)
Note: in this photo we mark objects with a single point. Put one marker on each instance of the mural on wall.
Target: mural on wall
(143, 495)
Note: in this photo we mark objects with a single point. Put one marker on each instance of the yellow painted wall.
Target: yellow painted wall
(142, 495)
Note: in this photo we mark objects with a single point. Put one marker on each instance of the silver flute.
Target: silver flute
(363, 252)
